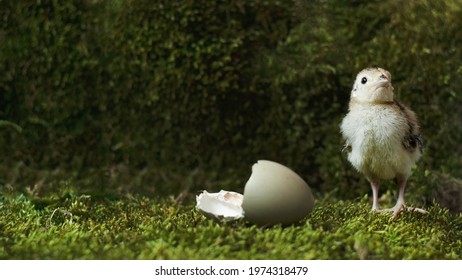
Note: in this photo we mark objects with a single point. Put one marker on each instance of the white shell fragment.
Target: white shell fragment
(224, 205)
(274, 194)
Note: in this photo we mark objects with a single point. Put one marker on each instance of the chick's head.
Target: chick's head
(373, 85)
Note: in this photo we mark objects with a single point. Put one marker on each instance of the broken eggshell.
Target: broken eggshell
(274, 194)
(224, 205)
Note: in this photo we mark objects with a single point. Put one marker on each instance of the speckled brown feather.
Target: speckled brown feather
(412, 139)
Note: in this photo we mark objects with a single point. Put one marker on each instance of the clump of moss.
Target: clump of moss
(78, 226)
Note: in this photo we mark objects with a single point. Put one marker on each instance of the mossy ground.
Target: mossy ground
(75, 226)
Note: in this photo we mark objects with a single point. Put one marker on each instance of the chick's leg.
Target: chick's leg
(375, 195)
(400, 202)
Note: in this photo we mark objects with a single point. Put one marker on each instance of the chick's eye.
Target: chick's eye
(363, 80)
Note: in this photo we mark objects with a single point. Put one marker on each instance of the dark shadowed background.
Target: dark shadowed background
(165, 97)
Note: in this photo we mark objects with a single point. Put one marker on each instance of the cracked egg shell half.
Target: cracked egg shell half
(274, 194)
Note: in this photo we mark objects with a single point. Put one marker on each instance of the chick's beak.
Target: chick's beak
(383, 82)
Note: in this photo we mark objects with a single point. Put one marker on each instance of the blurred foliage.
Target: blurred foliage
(171, 96)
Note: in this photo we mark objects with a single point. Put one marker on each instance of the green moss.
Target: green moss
(83, 227)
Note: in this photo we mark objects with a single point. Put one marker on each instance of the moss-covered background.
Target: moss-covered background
(165, 98)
